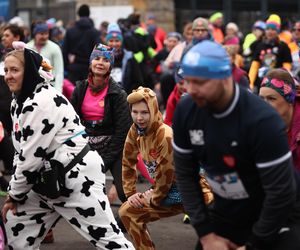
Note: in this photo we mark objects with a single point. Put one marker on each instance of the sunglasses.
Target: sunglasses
(294, 29)
(200, 30)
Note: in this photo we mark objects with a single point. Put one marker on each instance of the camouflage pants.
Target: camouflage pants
(135, 220)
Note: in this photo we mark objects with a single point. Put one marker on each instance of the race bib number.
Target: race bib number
(228, 186)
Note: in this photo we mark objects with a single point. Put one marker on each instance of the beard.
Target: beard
(214, 103)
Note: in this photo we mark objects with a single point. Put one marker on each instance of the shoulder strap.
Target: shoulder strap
(77, 158)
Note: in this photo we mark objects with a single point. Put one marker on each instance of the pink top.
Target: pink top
(93, 105)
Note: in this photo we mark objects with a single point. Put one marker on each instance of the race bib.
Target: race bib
(228, 186)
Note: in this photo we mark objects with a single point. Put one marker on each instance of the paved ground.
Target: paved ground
(167, 234)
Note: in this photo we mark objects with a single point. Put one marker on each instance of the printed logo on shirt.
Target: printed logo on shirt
(196, 137)
(192, 58)
(228, 186)
(101, 104)
(17, 127)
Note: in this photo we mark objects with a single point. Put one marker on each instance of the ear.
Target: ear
(18, 45)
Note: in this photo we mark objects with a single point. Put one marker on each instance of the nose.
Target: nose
(139, 117)
(191, 89)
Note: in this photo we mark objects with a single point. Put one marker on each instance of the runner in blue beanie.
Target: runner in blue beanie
(207, 59)
(240, 143)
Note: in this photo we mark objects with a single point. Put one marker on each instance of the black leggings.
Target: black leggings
(7, 152)
(116, 171)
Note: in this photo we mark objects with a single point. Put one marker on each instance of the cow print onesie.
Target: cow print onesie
(45, 123)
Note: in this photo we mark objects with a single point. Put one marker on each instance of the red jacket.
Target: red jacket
(171, 105)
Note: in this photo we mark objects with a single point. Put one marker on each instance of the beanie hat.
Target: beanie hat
(259, 25)
(114, 31)
(273, 22)
(207, 59)
(286, 89)
(175, 34)
(40, 28)
(102, 50)
(200, 22)
(84, 11)
(215, 16)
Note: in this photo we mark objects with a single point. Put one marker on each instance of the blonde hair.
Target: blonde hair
(17, 54)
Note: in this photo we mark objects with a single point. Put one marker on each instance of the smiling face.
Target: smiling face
(14, 73)
(140, 114)
(100, 66)
(114, 43)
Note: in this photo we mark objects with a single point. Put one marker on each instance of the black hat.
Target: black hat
(84, 11)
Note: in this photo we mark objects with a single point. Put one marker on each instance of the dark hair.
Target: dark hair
(84, 11)
(281, 74)
(134, 19)
(16, 31)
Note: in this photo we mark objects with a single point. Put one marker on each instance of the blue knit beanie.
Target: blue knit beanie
(114, 31)
(206, 59)
(40, 28)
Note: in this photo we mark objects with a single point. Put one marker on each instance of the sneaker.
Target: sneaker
(186, 219)
(49, 238)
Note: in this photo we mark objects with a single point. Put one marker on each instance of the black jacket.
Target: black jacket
(116, 121)
(80, 41)
(5, 100)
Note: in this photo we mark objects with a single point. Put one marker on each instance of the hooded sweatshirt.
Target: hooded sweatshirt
(155, 147)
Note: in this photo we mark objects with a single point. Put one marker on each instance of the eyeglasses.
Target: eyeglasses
(200, 30)
(294, 29)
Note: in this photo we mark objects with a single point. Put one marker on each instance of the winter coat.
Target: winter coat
(116, 121)
(79, 41)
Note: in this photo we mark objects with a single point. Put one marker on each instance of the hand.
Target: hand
(112, 194)
(214, 242)
(136, 200)
(241, 248)
(8, 205)
(147, 196)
